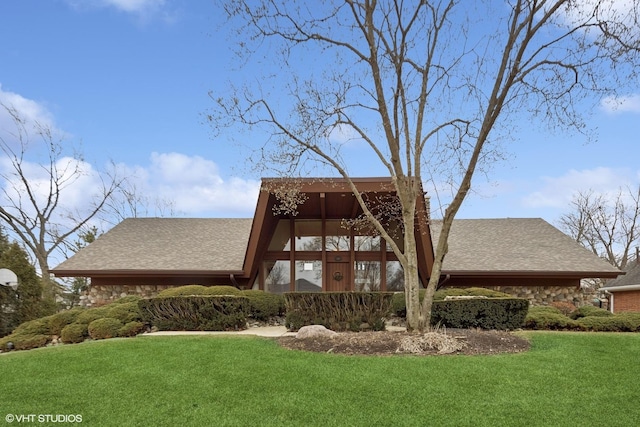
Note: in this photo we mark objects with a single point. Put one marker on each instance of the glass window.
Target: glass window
(277, 276)
(309, 276)
(308, 235)
(366, 243)
(338, 237)
(367, 276)
(281, 240)
(395, 276)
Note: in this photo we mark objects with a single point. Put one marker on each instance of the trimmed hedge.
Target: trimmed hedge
(131, 329)
(484, 313)
(264, 305)
(58, 321)
(199, 290)
(399, 308)
(196, 313)
(338, 311)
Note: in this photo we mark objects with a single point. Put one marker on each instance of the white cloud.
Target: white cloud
(621, 104)
(27, 109)
(557, 192)
(195, 186)
(135, 6)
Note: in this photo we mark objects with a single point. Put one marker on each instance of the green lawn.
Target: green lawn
(567, 379)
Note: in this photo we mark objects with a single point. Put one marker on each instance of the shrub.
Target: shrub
(34, 327)
(104, 328)
(28, 342)
(74, 333)
(125, 312)
(590, 310)
(131, 329)
(198, 290)
(196, 313)
(264, 305)
(605, 324)
(58, 321)
(398, 303)
(633, 319)
(469, 292)
(92, 314)
(484, 313)
(127, 299)
(337, 310)
(399, 308)
(548, 318)
(565, 307)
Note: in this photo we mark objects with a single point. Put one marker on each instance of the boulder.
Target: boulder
(314, 331)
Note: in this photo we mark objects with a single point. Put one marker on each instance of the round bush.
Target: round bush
(131, 329)
(549, 318)
(91, 314)
(104, 328)
(34, 327)
(125, 312)
(127, 299)
(589, 311)
(74, 333)
(605, 324)
(58, 321)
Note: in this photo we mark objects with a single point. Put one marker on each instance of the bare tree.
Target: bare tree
(608, 226)
(37, 173)
(426, 86)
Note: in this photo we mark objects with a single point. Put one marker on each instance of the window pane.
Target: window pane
(308, 235)
(395, 276)
(281, 240)
(367, 276)
(309, 276)
(277, 276)
(366, 243)
(337, 237)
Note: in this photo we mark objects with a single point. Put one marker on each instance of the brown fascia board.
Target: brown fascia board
(146, 273)
(337, 185)
(532, 274)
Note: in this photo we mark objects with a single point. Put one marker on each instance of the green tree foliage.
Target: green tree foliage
(26, 303)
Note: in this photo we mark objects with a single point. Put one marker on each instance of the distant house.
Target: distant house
(624, 292)
(318, 247)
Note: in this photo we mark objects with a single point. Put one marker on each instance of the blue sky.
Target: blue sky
(128, 81)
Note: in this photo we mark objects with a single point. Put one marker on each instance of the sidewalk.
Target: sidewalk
(263, 331)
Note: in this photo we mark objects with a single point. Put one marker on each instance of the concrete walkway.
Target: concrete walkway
(263, 331)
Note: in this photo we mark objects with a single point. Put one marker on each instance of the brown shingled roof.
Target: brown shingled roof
(186, 244)
(515, 244)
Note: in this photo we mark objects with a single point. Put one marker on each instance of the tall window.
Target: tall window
(338, 238)
(308, 235)
(367, 276)
(308, 276)
(277, 276)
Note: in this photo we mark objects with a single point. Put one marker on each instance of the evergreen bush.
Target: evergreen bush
(196, 313)
(484, 313)
(264, 305)
(337, 310)
(131, 329)
(198, 290)
(106, 327)
(58, 321)
(588, 311)
(549, 318)
(74, 333)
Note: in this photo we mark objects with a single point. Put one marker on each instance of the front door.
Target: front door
(338, 276)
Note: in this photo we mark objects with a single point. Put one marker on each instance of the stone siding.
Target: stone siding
(103, 294)
(545, 295)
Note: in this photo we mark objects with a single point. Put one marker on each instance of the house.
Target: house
(306, 235)
(624, 292)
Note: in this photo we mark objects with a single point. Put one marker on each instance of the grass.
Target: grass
(568, 379)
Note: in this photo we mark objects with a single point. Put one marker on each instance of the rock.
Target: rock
(313, 331)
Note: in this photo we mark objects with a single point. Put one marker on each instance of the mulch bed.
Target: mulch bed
(387, 343)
